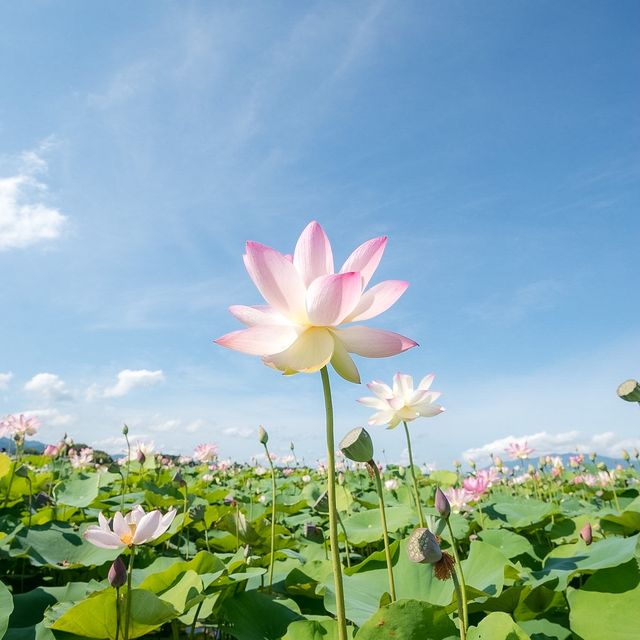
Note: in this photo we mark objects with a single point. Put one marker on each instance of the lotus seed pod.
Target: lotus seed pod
(423, 547)
(629, 390)
(357, 445)
(586, 534)
(442, 504)
(117, 575)
(263, 436)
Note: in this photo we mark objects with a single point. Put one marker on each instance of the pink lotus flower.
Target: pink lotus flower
(82, 458)
(402, 403)
(477, 485)
(205, 452)
(519, 451)
(301, 329)
(51, 450)
(459, 499)
(19, 426)
(137, 527)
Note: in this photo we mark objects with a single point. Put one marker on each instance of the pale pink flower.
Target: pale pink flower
(287, 471)
(402, 402)
(306, 478)
(576, 461)
(519, 451)
(142, 451)
(391, 485)
(137, 527)
(459, 499)
(51, 450)
(82, 458)
(477, 485)
(205, 452)
(301, 329)
(19, 426)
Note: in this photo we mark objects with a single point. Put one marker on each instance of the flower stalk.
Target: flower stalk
(264, 438)
(416, 492)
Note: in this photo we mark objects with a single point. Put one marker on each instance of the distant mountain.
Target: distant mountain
(9, 445)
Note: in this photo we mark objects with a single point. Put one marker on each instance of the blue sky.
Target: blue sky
(495, 143)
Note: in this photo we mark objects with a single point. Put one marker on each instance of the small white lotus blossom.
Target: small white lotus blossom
(391, 485)
(403, 402)
(19, 426)
(205, 452)
(82, 458)
(519, 451)
(142, 450)
(207, 477)
(306, 478)
(459, 499)
(136, 528)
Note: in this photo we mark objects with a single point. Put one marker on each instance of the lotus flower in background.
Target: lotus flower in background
(519, 451)
(19, 426)
(402, 402)
(136, 528)
(301, 329)
(206, 452)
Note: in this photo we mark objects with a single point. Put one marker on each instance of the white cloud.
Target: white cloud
(51, 417)
(5, 378)
(240, 432)
(129, 380)
(24, 218)
(49, 386)
(544, 443)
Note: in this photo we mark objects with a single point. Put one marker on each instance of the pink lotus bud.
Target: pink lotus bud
(442, 504)
(117, 575)
(140, 457)
(586, 534)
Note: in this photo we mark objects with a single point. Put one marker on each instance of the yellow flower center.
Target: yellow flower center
(127, 538)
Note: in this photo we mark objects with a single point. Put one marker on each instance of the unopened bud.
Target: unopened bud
(117, 573)
(625, 455)
(586, 533)
(291, 446)
(263, 436)
(357, 445)
(125, 430)
(442, 504)
(140, 457)
(423, 547)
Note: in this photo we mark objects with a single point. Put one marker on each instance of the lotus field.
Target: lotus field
(160, 546)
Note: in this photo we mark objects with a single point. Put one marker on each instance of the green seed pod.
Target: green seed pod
(629, 390)
(357, 445)
(423, 547)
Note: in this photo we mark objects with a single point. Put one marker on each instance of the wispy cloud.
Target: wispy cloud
(128, 380)
(508, 309)
(545, 443)
(25, 219)
(49, 386)
(5, 379)
(51, 417)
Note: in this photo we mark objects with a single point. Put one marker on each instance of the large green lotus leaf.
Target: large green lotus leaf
(5, 465)
(326, 629)
(571, 559)
(256, 616)
(510, 544)
(444, 477)
(6, 607)
(62, 546)
(484, 569)
(608, 604)
(408, 620)
(364, 588)
(95, 617)
(497, 626)
(162, 574)
(184, 593)
(545, 630)
(625, 523)
(79, 491)
(519, 514)
(365, 527)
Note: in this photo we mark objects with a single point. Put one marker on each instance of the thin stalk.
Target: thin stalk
(185, 529)
(273, 518)
(383, 521)
(333, 512)
(195, 619)
(125, 485)
(6, 498)
(456, 585)
(127, 610)
(346, 540)
(416, 493)
(117, 612)
(463, 587)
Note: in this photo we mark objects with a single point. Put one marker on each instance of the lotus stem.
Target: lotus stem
(464, 622)
(459, 599)
(273, 518)
(127, 611)
(346, 540)
(117, 612)
(383, 521)
(416, 492)
(9, 484)
(333, 512)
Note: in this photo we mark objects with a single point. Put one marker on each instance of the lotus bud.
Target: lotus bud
(291, 446)
(125, 430)
(592, 456)
(179, 480)
(357, 445)
(472, 464)
(601, 466)
(442, 504)
(263, 436)
(340, 478)
(586, 533)
(625, 455)
(423, 547)
(140, 457)
(117, 575)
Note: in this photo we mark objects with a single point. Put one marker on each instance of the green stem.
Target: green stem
(346, 540)
(333, 512)
(127, 610)
(185, 529)
(117, 612)
(463, 587)
(383, 521)
(456, 585)
(416, 493)
(273, 518)
(195, 620)
(6, 498)
(125, 485)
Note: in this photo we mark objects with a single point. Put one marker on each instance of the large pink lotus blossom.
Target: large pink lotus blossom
(459, 499)
(82, 458)
(477, 485)
(519, 451)
(19, 426)
(402, 403)
(302, 327)
(137, 527)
